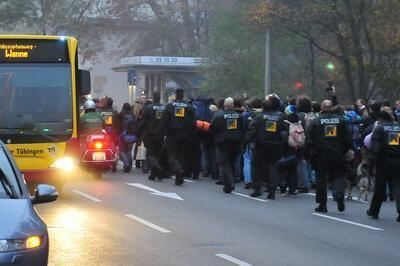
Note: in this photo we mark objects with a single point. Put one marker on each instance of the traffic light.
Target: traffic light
(330, 66)
(299, 85)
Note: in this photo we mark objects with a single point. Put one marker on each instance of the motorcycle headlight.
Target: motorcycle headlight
(67, 164)
(20, 244)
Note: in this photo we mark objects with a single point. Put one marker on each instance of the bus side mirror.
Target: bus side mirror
(84, 82)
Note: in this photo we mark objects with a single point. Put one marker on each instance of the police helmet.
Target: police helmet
(89, 104)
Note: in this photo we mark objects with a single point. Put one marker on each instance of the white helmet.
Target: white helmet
(89, 104)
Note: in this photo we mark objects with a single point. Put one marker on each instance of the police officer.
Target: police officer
(227, 129)
(178, 124)
(148, 128)
(328, 141)
(91, 122)
(269, 133)
(386, 154)
(110, 115)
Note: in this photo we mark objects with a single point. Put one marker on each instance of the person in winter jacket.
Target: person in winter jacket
(227, 129)
(269, 132)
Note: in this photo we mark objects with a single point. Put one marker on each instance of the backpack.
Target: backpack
(354, 122)
(297, 136)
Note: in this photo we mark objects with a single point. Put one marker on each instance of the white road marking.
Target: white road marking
(330, 197)
(247, 196)
(186, 180)
(86, 195)
(155, 191)
(147, 223)
(143, 187)
(233, 260)
(348, 222)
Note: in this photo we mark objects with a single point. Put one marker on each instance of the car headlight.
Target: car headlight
(67, 164)
(20, 244)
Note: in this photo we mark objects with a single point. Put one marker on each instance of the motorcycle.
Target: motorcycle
(98, 154)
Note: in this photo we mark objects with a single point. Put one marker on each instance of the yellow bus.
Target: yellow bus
(40, 87)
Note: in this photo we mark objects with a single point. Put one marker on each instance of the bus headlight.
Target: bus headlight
(67, 164)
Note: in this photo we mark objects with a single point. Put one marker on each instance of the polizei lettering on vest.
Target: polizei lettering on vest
(391, 128)
(179, 104)
(159, 107)
(330, 121)
(271, 117)
(234, 116)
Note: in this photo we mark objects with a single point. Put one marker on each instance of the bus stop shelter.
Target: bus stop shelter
(147, 74)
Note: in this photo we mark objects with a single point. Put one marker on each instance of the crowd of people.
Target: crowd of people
(270, 144)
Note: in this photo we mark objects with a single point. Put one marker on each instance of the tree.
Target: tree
(359, 34)
(55, 17)
(235, 60)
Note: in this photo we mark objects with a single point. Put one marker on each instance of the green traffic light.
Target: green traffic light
(330, 66)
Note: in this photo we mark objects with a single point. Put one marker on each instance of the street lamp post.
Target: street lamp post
(268, 75)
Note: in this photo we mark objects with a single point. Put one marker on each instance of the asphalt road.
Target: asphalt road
(125, 219)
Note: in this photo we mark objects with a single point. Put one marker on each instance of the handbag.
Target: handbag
(141, 152)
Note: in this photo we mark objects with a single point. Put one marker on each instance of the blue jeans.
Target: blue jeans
(247, 158)
(305, 170)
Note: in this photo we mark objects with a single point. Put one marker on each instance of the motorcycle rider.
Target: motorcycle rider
(327, 143)
(178, 124)
(91, 122)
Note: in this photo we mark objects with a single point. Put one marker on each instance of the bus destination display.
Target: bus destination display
(33, 51)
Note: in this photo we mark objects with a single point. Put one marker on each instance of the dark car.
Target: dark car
(23, 235)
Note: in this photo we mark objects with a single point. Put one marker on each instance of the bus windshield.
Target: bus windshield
(35, 102)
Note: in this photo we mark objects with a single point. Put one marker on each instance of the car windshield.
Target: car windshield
(35, 102)
(8, 182)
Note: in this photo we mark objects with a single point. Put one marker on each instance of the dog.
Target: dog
(365, 180)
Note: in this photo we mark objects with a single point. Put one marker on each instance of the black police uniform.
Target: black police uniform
(327, 142)
(269, 132)
(178, 124)
(386, 154)
(148, 131)
(227, 129)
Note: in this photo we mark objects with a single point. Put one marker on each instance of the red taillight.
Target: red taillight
(98, 145)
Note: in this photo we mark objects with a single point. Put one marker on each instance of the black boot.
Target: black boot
(271, 192)
(340, 202)
(228, 188)
(257, 193)
(398, 218)
(179, 179)
(322, 208)
(373, 216)
(271, 195)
